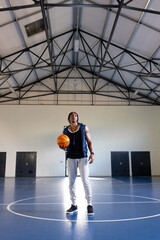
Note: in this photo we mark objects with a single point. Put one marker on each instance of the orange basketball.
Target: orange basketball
(63, 140)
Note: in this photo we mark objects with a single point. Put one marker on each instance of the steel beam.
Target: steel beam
(109, 40)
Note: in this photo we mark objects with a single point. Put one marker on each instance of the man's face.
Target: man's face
(73, 118)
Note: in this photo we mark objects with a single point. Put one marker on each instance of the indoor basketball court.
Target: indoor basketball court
(79, 80)
(36, 208)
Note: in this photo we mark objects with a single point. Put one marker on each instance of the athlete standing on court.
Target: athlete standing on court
(77, 157)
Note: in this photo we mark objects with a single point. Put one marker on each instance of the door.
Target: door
(2, 164)
(120, 164)
(141, 165)
(26, 164)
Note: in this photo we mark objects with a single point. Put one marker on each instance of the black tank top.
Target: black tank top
(75, 147)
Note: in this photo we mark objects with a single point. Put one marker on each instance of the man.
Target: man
(77, 156)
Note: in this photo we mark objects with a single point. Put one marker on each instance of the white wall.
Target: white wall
(36, 128)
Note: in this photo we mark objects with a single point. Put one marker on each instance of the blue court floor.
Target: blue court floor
(125, 208)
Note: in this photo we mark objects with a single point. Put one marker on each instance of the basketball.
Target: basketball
(63, 140)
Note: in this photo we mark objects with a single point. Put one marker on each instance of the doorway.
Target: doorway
(141, 165)
(26, 164)
(2, 164)
(120, 164)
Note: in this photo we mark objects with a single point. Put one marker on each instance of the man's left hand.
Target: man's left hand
(91, 159)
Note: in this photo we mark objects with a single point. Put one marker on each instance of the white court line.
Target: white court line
(94, 203)
(4, 204)
(83, 220)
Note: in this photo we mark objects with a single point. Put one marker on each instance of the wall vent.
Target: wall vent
(34, 27)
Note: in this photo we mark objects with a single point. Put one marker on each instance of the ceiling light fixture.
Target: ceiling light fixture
(75, 80)
(76, 45)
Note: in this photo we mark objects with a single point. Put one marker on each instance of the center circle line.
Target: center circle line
(84, 220)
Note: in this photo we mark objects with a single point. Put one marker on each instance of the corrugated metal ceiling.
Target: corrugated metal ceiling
(116, 60)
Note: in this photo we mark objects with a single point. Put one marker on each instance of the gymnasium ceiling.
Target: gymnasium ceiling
(85, 52)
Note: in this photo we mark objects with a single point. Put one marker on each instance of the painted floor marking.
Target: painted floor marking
(90, 218)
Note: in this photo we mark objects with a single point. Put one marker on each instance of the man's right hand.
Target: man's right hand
(63, 147)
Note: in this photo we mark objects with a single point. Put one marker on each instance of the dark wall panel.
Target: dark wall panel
(140, 162)
(2, 164)
(26, 164)
(120, 164)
